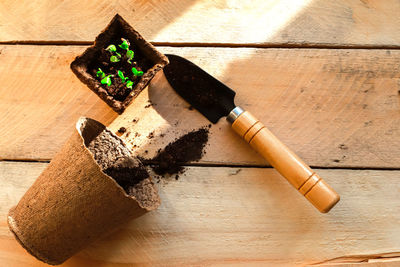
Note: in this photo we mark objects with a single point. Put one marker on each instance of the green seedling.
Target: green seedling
(129, 84)
(112, 48)
(130, 54)
(100, 74)
(107, 80)
(114, 59)
(125, 44)
(137, 72)
(121, 75)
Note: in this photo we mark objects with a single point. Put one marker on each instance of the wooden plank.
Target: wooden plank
(332, 107)
(343, 22)
(248, 216)
(41, 100)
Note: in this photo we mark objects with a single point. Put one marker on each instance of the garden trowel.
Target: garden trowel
(215, 100)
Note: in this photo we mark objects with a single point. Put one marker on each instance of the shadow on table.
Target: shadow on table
(172, 104)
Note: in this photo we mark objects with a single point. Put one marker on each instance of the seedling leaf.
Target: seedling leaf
(121, 75)
(129, 84)
(130, 54)
(114, 59)
(137, 72)
(125, 44)
(111, 48)
(107, 80)
(100, 73)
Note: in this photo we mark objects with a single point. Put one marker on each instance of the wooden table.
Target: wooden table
(323, 75)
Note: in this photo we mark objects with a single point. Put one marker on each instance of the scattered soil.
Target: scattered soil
(122, 130)
(343, 147)
(367, 123)
(187, 148)
(150, 135)
(149, 104)
(118, 89)
(235, 172)
(115, 160)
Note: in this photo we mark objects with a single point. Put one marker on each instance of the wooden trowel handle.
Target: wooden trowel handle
(299, 174)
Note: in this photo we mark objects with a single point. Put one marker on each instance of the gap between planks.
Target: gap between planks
(217, 165)
(261, 21)
(219, 45)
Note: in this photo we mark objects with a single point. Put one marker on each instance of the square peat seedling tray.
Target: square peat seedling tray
(119, 65)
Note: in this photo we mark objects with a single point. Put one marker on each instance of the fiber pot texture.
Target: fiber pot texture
(116, 29)
(73, 202)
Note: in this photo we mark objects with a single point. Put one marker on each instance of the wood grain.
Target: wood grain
(41, 100)
(288, 22)
(376, 260)
(331, 107)
(239, 216)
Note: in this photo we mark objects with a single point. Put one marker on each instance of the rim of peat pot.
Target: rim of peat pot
(118, 28)
(74, 202)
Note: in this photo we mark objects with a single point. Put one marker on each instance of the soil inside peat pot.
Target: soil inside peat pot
(116, 161)
(184, 149)
(119, 88)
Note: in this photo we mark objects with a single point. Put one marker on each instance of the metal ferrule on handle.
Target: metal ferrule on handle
(286, 162)
(234, 114)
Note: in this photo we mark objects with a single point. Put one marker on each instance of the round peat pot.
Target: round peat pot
(83, 194)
